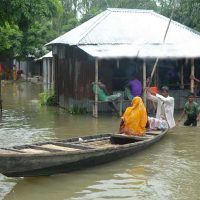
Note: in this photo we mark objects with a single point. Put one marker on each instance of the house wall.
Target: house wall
(48, 73)
(30, 68)
(75, 71)
(73, 76)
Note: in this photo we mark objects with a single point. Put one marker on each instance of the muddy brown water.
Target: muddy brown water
(168, 170)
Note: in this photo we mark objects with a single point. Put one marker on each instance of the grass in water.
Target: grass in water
(47, 98)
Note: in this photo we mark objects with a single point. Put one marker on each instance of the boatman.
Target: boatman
(165, 109)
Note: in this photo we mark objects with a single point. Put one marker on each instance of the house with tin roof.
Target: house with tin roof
(118, 43)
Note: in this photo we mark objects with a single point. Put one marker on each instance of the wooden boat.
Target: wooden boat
(71, 154)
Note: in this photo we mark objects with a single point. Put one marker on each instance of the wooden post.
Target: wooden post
(144, 83)
(117, 63)
(53, 73)
(192, 73)
(47, 63)
(95, 112)
(182, 76)
(0, 99)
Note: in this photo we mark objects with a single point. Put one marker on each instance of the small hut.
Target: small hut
(47, 70)
(120, 42)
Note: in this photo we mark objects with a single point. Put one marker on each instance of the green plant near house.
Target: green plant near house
(51, 101)
(47, 98)
(76, 110)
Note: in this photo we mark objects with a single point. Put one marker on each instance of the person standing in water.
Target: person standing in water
(192, 110)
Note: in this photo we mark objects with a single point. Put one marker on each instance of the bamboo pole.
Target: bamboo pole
(117, 63)
(182, 77)
(157, 59)
(192, 73)
(144, 83)
(0, 99)
(95, 114)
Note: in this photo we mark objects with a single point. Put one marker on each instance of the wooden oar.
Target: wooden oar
(157, 59)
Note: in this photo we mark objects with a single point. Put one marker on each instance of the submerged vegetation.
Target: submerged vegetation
(48, 98)
(76, 110)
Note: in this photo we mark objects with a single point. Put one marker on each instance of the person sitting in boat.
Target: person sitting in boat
(103, 94)
(134, 119)
(165, 109)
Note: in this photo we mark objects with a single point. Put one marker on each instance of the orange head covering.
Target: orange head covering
(135, 117)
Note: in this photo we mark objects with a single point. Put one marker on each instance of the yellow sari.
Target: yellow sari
(134, 118)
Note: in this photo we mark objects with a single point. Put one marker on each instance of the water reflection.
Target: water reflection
(168, 170)
(112, 181)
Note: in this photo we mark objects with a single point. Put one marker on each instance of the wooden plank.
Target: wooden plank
(154, 132)
(134, 137)
(43, 148)
(8, 151)
(61, 148)
(34, 151)
(70, 145)
(12, 149)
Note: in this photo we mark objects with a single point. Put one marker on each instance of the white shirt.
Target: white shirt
(168, 107)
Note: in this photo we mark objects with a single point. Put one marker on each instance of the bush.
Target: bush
(51, 101)
(47, 98)
(76, 110)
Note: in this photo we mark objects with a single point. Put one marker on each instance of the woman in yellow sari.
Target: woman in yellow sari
(134, 119)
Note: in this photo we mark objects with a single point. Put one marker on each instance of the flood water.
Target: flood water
(168, 170)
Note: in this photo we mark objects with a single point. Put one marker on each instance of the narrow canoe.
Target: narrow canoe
(62, 156)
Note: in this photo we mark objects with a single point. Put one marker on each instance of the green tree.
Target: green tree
(10, 39)
(185, 12)
(31, 20)
(69, 19)
(89, 8)
(188, 13)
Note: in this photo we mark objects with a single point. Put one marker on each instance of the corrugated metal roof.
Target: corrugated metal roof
(48, 55)
(143, 29)
(143, 51)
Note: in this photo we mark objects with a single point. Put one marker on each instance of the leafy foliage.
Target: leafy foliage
(93, 7)
(28, 19)
(185, 12)
(76, 110)
(47, 98)
(26, 25)
(10, 37)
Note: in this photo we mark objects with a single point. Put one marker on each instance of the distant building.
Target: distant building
(29, 68)
(47, 70)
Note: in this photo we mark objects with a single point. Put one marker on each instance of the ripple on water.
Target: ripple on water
(169, 170)
(6, 185)
(16, 129)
